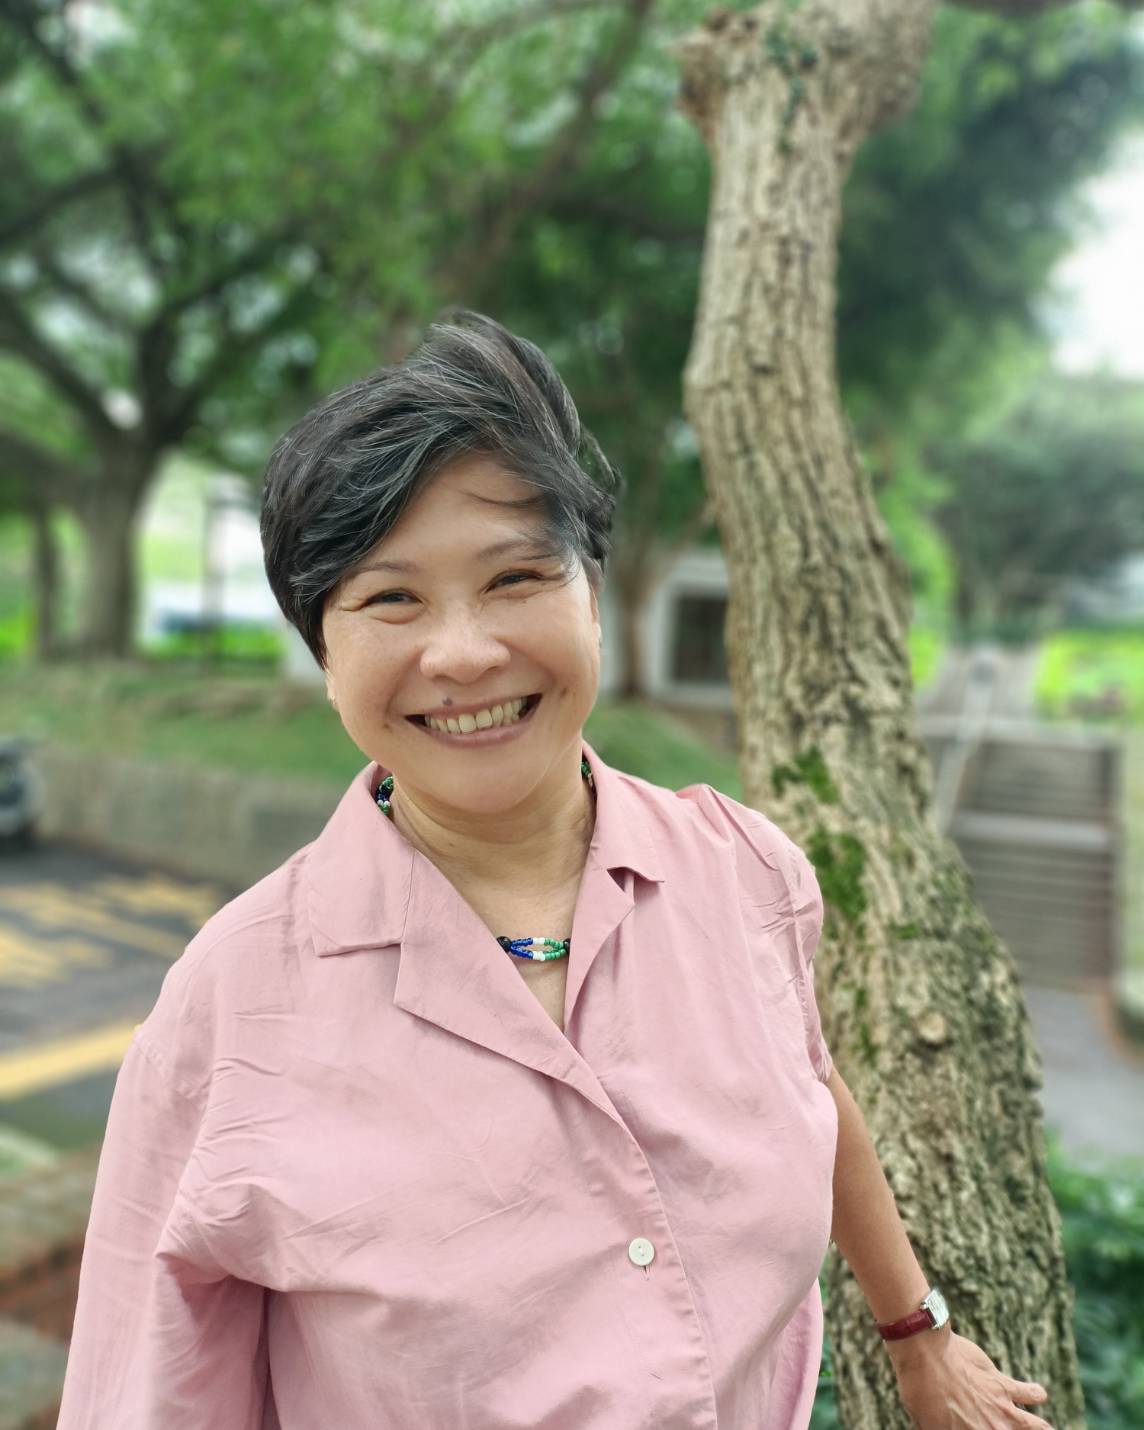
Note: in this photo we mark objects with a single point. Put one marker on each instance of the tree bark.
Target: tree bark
(632, 584)
(108, 514)
(921, 1004)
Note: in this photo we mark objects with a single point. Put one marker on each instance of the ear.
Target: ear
(331, 694)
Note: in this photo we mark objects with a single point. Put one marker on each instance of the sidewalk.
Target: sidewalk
(1094, 1079)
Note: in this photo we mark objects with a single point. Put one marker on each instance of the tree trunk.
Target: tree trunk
(109, 516)
(921, 1003)
(45, 583)
(962, 607)
(633, 598)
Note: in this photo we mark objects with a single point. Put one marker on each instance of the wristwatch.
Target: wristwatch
(931, 1315)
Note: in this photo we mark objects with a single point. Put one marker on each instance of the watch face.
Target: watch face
(935, 1305)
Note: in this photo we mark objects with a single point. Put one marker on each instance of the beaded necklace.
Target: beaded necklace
(549, 948)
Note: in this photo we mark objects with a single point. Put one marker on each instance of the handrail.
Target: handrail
(972, 724)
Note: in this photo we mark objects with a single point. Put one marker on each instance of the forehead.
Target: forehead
(472, 508)
(479, 482)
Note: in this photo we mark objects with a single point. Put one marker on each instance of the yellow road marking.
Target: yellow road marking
(65, 1060)
(72, 913)
(157, 895)
(28, 961)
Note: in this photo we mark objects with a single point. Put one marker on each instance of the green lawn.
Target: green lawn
(1085, 663)
(926, 647)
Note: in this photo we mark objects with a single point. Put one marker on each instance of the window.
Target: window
(698, 654)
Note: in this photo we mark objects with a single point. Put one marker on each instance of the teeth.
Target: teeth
(480, 720)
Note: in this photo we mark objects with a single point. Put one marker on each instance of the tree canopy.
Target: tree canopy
(215, 215)
(1048, 489)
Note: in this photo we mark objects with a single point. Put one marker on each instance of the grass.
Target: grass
(1083, 664)
(926, 647)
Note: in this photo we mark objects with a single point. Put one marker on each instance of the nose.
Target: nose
(460, 648)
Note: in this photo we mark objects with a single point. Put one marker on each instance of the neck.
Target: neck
(540, 845)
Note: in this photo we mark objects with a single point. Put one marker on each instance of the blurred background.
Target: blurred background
(211, 216)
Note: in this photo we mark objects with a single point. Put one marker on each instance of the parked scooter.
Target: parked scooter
(21, 793)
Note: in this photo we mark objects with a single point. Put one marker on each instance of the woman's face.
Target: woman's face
(468, 626)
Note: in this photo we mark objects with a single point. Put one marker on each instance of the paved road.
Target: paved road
(84, 945)
(1094, 1079)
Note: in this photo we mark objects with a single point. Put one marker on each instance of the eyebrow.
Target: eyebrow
(534, 544)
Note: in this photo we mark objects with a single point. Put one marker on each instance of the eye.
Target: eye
(381, 598)
(523, 575)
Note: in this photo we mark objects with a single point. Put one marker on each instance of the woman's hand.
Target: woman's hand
(949, 1383)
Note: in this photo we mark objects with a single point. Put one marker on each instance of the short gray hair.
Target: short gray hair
(341, 477)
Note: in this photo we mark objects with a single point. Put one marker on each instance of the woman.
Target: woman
(505, 1102)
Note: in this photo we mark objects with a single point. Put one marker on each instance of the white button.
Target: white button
(641, 1251)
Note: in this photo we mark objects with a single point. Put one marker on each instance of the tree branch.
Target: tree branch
(480, 256)
(441, 73)
(51, 201)
(632, 217)
(158, 339)
(233, 349)
(66, 283)
(33, 466)
(252, 260)
(134, 182)
(459, 45)
(17, 335)
(462, 38)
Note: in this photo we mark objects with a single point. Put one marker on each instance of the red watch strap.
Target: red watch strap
(919, 1320)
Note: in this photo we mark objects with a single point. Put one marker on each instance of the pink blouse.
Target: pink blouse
(355, 1178)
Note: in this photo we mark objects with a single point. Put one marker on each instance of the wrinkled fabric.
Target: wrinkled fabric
(355, 1178)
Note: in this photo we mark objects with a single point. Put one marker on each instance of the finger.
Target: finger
(1031, 1422)
(1026, 1392)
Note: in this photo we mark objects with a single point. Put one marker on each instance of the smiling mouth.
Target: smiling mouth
(530, 704)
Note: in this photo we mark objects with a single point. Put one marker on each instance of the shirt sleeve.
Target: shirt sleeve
(806, 897)
(163, 1338)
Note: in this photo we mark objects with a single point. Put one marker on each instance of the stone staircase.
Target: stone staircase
(1036, 818)
(1035, 810)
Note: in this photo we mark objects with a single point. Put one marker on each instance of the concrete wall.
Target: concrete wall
(211, 824)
